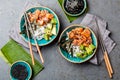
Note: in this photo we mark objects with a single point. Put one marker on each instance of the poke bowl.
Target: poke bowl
(77, 44)
(44, 23)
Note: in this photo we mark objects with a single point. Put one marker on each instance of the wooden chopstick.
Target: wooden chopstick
(107, 62)
(30, 46)
(110, 75)
(31, 53)
(40, 54)
(105, 54)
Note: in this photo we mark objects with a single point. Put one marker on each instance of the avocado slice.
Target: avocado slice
(49, 26)
(92, 47)
(46, 37)
(53, 21)
(48, 32)
(88, 50)
(81, 55)
(82, 47)
(54, 30)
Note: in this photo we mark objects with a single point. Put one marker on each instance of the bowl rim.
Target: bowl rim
(54, 15)
(85, 6)
(78, 26)
(23, 62)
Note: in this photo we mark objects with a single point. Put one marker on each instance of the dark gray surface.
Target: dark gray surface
(57, 68)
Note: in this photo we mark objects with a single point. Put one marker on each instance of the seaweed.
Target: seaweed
(66, 45)
(23, 31)
(63, 39)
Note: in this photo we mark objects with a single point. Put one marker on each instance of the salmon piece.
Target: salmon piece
(83, 38)
(30, 14)
(85, 44)
(79, 29)
(32, 19)
(75, 42)
(40, 22)
(50, 16)
(37, 12)
(42, 14)
(90, 40)
(86, 32)
(35, 17)
(45, 19)
(71, 35)
(79, 42)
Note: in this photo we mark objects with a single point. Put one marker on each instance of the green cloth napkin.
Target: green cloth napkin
(70, 18)
(13, 52)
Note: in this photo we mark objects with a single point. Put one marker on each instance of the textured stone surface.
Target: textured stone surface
(57, 68)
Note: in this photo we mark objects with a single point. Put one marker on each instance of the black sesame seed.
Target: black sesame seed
(74, 6)
(19, 72)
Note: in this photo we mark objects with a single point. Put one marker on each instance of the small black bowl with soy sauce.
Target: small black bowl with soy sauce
(74, 7)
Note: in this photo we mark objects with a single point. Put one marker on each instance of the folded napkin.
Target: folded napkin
(14, 32)
(13, 52)
(69, 18)
(92, 21)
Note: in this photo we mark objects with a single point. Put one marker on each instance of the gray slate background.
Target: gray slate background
(57, 68)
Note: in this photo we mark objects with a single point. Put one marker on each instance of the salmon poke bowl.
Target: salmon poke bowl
(44, 23)
(77, 44)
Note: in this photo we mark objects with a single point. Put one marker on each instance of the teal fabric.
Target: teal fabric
(13, 52)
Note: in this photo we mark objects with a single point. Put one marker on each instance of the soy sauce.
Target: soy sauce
(20, 72)
(74, 6)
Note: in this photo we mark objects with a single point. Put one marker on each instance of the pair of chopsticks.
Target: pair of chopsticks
(105, 54)
(27, 23)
